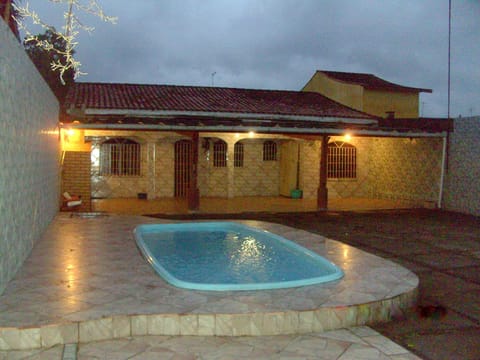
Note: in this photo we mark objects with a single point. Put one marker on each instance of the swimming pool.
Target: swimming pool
(223, 256)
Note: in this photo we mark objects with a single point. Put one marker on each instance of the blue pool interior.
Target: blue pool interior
(225, 256)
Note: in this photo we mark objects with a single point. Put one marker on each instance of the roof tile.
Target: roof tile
(205, 99)
(370, 81)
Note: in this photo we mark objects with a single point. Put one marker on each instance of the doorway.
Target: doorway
(289, 167)
(183, 154)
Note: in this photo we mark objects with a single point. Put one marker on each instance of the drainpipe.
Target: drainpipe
(442, 173)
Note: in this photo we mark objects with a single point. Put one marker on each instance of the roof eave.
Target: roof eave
(233, 115)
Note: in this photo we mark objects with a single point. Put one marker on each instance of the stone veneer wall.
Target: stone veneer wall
(462, 182)
(362, 185)
(29, 156)
(406, 169)
(257, 177)
(387, 168)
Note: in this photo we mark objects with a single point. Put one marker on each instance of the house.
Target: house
(159, 141)
(367, 93)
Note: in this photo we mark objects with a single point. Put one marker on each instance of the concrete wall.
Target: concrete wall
(405, 105)
(347, 94)
(29, 155)
(462, 183)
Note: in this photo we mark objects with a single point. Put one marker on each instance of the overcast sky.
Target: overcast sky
(279, 44)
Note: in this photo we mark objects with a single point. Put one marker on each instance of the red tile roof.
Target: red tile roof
(205, 99)
(370, 82)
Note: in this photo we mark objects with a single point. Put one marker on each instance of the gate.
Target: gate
(183, 151)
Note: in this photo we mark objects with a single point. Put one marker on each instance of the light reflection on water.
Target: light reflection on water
(250, 254)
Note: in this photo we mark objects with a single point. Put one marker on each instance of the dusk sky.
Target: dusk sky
(279, 44)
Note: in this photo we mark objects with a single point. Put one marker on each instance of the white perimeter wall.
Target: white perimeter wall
(29, 154)
(462, 186)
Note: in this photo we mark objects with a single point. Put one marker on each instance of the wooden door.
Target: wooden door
(288, 167)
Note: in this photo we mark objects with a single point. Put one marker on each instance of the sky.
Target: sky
(279, 44)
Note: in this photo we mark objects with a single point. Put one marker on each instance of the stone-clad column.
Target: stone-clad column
(193, 191)
(151, 191)
(230, 169)
(322, 193)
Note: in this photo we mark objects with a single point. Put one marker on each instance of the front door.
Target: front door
(182, 167)
(288, 167)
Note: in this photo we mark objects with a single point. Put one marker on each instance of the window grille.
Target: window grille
(341, 161)
(238, 154)
(269, 151)
(220, 154)
(120, 157)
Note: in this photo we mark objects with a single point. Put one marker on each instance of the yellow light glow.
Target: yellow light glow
(347, 137)
(70, 132)
(237, 135)
(251, 134)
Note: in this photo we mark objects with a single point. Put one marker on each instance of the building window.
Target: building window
(269, 151)
(238, 154)
(220, 153)
(341, 160)
(120, 157)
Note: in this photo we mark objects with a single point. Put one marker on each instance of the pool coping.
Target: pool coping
(257, 320)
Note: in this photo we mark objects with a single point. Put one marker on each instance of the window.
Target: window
(269, 151)
(341, 160)
(121, 157)
(238, 155)
(220, 154)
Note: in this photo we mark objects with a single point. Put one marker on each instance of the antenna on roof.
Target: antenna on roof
(213, 75)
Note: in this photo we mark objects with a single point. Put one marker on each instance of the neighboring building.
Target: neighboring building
(190, 141)
(367, 93)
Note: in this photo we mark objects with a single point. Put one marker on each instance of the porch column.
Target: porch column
(151, 176)
(322, 193)
(193, 191)
(230, 169)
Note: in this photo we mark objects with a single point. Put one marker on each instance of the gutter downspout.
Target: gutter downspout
(442, 173)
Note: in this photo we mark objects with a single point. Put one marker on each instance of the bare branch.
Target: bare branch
(70, 32)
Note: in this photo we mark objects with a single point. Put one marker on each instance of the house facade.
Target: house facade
(154, 141)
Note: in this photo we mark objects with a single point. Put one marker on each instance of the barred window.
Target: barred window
(269, 151)
(238, 154)
(220, 154)
(341, 160)
(120, 157)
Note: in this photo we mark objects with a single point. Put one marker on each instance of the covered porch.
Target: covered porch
(220, 150)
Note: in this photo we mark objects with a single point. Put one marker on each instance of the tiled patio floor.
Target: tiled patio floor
(346, 344)
(86, 275)
(242, 205)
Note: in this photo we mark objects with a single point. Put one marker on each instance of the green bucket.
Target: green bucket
(296, 194)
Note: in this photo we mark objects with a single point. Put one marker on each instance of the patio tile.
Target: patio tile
(470, 273)
(446, 260)
(338, 344)
(53, 353)
(467, 303)
(438, 286)
(461, 344)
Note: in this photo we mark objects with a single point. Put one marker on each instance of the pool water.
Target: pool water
(224, 256)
